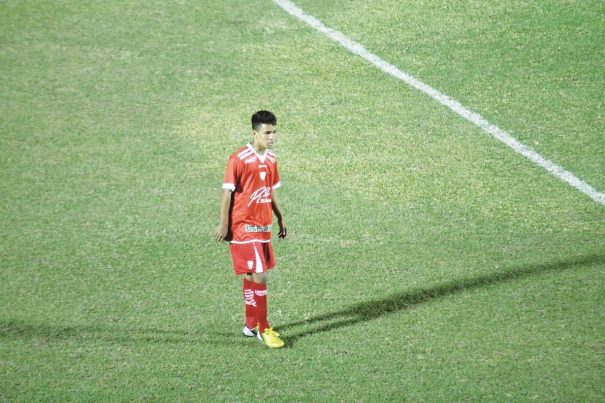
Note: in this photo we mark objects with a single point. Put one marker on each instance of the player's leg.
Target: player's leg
(260, 278)
(259, 283)
(265, 261)
(265, 333)
(250, 306)
(243, 257)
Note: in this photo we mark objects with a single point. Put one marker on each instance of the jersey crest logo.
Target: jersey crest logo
(263, 175)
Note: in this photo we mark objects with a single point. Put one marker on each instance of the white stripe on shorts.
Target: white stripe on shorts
(259, 262)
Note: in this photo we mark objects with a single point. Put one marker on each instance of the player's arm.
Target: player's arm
(220, 234)
(283, 230)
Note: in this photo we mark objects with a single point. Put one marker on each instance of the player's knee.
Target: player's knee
(260, 278)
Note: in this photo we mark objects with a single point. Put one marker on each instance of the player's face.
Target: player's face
(264, 136)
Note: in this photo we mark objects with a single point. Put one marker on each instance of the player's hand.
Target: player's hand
(221, 231)
(283, 230)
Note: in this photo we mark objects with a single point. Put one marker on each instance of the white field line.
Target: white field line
(443, 99)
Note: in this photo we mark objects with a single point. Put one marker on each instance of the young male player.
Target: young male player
(248, 202)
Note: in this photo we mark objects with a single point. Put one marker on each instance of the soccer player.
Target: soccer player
(248, 202)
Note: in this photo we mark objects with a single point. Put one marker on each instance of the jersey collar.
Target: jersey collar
(260, 157)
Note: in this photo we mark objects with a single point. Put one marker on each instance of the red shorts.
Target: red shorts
(253, 257)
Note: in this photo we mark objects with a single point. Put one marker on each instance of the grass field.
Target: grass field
(425, 261)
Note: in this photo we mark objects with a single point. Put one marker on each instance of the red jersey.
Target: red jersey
(251, 177)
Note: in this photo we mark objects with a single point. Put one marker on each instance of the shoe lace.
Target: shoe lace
(271, 332)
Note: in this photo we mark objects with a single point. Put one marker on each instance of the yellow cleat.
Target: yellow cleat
(270, 338)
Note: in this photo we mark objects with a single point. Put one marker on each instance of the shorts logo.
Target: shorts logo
(250, 264)
(263, 175)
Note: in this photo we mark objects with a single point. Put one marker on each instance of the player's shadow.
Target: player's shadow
(369, 310)
(357, 313)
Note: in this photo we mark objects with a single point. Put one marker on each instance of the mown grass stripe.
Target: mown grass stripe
(445, 100)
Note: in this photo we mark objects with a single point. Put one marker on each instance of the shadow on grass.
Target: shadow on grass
(369, 310)
(362, 312)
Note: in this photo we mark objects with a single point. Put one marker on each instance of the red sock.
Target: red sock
(250, 302)
(260, 296)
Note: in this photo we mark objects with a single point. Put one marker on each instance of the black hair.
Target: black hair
(261, 117)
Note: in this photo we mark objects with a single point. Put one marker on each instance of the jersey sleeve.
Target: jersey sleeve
(232, 173)
(276, 179)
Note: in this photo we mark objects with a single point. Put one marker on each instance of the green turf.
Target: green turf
(532, 68)
(425, 260)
